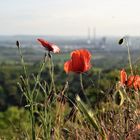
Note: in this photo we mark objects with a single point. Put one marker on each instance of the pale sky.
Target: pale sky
(70, 17)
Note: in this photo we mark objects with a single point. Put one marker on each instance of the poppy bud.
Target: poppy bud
(121, 41)
(18, 44)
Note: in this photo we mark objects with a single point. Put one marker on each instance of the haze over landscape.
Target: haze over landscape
(70, 24)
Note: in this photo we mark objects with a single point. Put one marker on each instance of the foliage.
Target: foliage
(105, 110)
(14, 123)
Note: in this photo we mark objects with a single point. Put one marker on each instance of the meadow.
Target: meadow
(38, 100)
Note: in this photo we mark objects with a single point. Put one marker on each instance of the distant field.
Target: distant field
(103, 59)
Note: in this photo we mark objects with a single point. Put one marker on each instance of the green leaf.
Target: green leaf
(119, 98)
(90, 118)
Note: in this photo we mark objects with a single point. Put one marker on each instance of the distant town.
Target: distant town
(68, 43)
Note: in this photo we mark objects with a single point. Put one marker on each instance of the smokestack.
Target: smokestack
(89, 37)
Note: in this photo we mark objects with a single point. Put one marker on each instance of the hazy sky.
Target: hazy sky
(70, 17)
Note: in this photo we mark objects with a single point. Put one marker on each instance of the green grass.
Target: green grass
(51, 110)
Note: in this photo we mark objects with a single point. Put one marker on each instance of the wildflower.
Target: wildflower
(79, 62)
(131, 81)
(134, 81)
(49, 46)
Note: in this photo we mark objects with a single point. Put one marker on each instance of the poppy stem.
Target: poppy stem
(129, 56)
(22, 61)
(130, 63)
(82, 87)
(28, 95)
(51, 70)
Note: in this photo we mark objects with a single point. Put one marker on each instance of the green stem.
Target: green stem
(45, 118)
(129, 56)
(99, 79)
(25, 80)
(39, 74)
(129, 59)
(82, 87)
(32, 122)
(28, 95)
(51, 69)
(53, 76)
(22, 62)
(24, 67)
(81, 82)
(32, 98)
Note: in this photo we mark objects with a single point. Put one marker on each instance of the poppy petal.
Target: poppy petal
(55, 49)
(87, 57)
(134, 81)
(77, 61)
(80, 61)
(68, 66)
(123, 77)
(49, 46)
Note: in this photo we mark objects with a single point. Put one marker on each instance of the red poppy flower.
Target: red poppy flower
(49, 46)
(132, 81)
(79, 62)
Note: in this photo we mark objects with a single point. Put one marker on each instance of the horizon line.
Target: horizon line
(52, 35)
